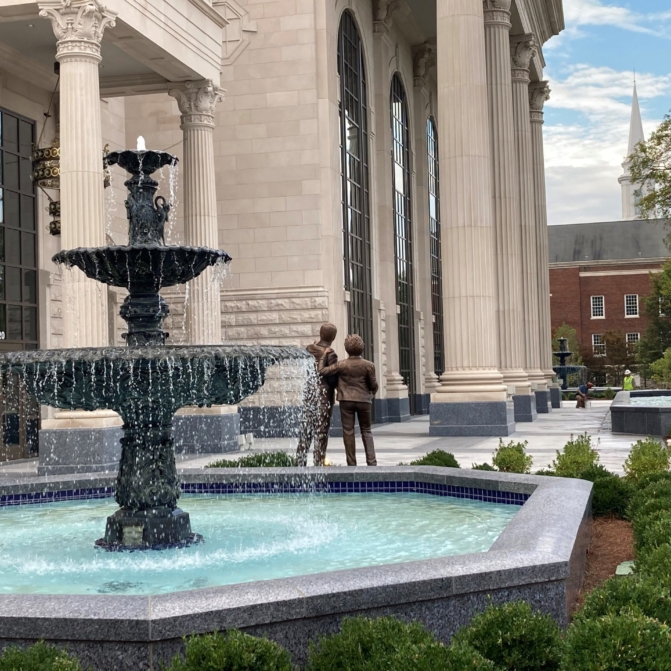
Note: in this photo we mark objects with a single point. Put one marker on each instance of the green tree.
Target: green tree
(568, 332)
(657, 308)
(650, 166)
(618, 357)
(661, 369)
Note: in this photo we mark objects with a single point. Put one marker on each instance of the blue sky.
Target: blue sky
(590, 67)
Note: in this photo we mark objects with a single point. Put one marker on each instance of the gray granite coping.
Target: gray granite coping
(539, 545)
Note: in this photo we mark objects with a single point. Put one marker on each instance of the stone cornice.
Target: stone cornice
(384, 14)
(78, 26)
(196, 101)
(522, 49)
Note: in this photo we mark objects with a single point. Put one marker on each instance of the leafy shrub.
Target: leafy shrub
(364, 644)
(437, 458)
(655, 564)
(640, 524)
(653, 533)
(512, 458)
(618, 643)
(546, 472)
(611, 496)
(620, 594)
(38, 657)
(646, 456)
(658, 476)
(232, 651)
(482, 467)
(514, 638)
(596, 472)
(576, 457)
(640, 507)
(461, 657)
(609, 394)
(260, 460)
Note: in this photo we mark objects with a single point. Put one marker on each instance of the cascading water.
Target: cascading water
(147, 381)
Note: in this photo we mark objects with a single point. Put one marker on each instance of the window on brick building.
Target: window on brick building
(631, 305)
(598, 345)
(632, 339)
(598, 307)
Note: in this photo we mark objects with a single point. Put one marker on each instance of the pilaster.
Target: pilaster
(197, 102)
(539, 92)
(522, 50)
(505, 201)
(472, 397)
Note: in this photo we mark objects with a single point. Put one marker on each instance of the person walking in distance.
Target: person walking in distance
(356, 387)
(319, 430)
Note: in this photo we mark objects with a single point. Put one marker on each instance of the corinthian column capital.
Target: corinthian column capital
(196, 102)
(539, 93)
(497, 12)
(78, 25)
(522, 50)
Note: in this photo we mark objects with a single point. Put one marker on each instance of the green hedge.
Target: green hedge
(512, 457)
(39, 657)
(259, 460)
(232, 651)
(437, 458)
(577, 456)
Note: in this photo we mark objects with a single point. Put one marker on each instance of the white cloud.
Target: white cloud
(584, 153)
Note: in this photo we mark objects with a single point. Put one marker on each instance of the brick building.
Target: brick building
(599, 275)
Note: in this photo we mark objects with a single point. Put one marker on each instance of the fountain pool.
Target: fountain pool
(46, 548)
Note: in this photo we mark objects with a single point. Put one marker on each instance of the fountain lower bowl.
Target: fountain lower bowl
(149, 267)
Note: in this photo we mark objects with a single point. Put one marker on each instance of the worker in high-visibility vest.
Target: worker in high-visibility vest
(628, 384)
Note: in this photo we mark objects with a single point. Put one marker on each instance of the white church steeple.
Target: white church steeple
(629, 207)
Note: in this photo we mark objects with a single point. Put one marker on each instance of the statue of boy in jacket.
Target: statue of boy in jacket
(319, 430)
(356, 387)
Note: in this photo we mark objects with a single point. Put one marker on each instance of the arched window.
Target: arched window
(400, 140)
(355, 181)
(436, 263)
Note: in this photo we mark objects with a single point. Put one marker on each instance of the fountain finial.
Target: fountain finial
(141, 145)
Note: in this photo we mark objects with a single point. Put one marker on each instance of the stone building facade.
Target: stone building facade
(375, 163)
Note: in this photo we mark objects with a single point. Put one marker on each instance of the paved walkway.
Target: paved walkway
(395, 443)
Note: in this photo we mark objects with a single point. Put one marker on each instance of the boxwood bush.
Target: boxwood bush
(652, 532)
(259, 460)
(611, 496)
(38, 657)
(627, 593)
(514, 638)
(364, 644)
(232, 651)
(649, 478)
(621, 642)
(655, 564)
(437, 458)
(576, 457)
(512, 457)
(646, 456)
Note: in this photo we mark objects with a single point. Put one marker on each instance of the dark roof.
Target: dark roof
(606, 241)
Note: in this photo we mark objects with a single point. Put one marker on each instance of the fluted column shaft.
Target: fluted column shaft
(466, 200)
(505, 202)
(522, 50)
(79, 28)
(538, 94)
(196, 104)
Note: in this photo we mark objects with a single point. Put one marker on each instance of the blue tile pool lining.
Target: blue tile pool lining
(379, 487)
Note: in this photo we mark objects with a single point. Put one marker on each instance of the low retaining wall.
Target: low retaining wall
(640, 419)
(539, 557)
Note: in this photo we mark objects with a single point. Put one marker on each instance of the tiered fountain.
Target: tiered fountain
(147, 381)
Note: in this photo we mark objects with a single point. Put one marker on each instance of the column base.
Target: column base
(422, 404)
(206, 430)
(555, 397)
(543, 403)
(525, 407)
(79, 450)
(475, 418)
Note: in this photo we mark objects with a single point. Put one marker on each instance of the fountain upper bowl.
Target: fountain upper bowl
(145, 161)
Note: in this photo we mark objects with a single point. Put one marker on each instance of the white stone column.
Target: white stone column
(469, 294)
(539, 92)
(197, 101)
(505, 203)
(79, 26)
(522, 50)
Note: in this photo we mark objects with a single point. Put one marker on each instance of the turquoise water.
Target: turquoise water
(48, 548)
(655, 401)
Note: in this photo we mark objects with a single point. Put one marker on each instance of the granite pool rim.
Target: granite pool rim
(540, 551)
(640, 420)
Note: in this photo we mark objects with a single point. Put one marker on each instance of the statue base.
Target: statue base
(158, 529)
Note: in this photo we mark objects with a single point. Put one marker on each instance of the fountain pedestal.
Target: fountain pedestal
(157, 529)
